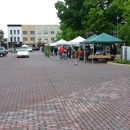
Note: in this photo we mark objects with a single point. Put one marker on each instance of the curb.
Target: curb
(118, 64)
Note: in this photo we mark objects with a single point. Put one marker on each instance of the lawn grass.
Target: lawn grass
(122, 61)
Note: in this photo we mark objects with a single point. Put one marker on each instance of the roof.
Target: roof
(84, 41)
(104, 38)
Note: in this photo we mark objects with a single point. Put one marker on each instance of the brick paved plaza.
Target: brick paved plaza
(43, 93)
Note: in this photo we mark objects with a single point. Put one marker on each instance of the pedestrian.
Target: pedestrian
(61, 52)
(69, 52)
(111, 50)
(95, 49)
(87, 52)
(55, 50)
(115, 50)
(65, 54)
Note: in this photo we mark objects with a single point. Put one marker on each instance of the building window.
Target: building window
(14, 32)
(18, 39)
(14, 39)
(10, 31)
(58, 32)
(25, 38)
(45, 32)
(32, 38)
(31, 32)
(45, 38)
(39, 32)
(18, 32)
(52, 38)
(39, 38)
(24, 32)
(11, 39)
(52, 32)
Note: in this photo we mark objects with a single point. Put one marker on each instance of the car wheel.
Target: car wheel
(1, 55)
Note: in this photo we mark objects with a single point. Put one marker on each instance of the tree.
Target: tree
(39, 43)
(69, 14)
(124, 31)
(81, 17)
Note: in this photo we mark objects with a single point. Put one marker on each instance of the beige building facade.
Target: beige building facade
(28, 34)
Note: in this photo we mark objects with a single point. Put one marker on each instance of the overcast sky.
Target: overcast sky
(30, 12)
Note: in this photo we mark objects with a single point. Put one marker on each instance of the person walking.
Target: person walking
(61, 52)
(65, 54)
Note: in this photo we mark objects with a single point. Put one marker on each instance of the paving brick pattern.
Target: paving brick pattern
(43, 93)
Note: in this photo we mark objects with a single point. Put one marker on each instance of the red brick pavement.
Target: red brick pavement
(43, 93)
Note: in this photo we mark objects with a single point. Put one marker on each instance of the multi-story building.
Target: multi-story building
(15, 35)
(32, 34)
(1, 37)
(28, 34)
(46, 33)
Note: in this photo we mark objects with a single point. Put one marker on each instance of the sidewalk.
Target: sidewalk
(43, 93)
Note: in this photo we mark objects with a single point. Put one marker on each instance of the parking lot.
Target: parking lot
(44, 93)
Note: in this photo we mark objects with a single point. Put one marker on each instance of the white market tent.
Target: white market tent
(61, 42)
(76, 41)
(53, 44)
(24, 45)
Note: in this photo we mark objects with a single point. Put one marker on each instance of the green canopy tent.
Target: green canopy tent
(103, 39)
(84, 42)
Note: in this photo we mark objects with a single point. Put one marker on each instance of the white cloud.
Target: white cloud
(31, 12)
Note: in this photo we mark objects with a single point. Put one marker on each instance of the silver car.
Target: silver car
(23, 53)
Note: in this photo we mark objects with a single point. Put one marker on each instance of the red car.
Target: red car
(36, 48)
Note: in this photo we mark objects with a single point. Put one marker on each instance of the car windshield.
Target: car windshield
(99, 48)
(22, 50)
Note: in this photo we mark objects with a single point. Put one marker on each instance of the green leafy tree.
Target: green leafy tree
(124, 31)
(79, 17)
(39, 43)
(69, 14)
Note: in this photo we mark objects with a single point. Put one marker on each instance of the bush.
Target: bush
(47, 50)
(122, 61)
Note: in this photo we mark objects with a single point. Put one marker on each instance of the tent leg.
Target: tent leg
(93, 53)
(75, 58)
(84, 52)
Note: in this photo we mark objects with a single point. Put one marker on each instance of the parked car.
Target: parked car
(10, 49)
(30, 49)
(3, 52)
(100, 50)
(36, 48)
(23, 52)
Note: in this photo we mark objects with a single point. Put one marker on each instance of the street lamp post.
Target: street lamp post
(117, 24)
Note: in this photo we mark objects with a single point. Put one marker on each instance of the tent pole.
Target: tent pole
(93, 53)
(79, 52)
(84, 51)
(75, 58)
(57, 52)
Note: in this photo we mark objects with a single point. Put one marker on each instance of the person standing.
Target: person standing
(65, 54)
(55, 50)
(87, 52)
(61, 52)
(95, 49)
(111, 50)
(115, 50)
